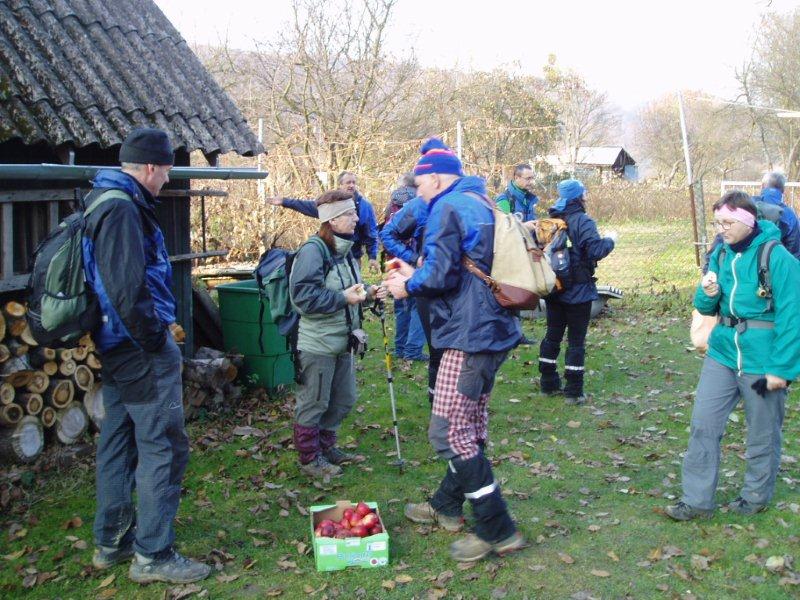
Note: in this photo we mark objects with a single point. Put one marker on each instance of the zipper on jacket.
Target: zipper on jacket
(733, 313)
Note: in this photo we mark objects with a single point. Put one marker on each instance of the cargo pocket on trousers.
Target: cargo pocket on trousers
(134, 377)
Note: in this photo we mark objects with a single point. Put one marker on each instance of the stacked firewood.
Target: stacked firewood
(56, 394)
(42, 390)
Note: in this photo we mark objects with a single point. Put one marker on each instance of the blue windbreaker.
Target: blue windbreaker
(407, 224)
(366, 233)
(127, 265)
(789, 226)
(464, 314)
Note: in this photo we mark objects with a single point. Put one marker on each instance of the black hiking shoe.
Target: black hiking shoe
(107, 556)
(337, 456)
(747, 509)
(683, 512)
(175, 568)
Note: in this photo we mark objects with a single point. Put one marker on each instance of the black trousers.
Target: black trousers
(423, 308)
(574, 319)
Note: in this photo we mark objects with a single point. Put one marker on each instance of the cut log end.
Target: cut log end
(67, 368)
(23, 442)
(33, 403)
(83, 377)
(7, 393)
(10, 414)
(39, 382)
(48, 417)
(72, 423)
(93, 402)
(15, 309)
(60, 393)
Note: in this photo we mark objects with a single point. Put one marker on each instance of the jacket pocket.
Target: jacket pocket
(132, 372)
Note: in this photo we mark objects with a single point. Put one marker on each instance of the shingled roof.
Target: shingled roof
(86, 72)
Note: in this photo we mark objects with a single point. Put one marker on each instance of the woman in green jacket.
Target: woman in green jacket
(753, 354)
(326, 290)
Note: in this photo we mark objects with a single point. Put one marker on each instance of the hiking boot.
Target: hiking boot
(108, 556)
(747, 509)
(175, 568)
(575, 400)
(319, 468)
(683, 512)
(419, 358)
(424, 513)
(472, 548)
(337, 456)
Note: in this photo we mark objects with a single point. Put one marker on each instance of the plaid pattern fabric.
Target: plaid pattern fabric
(468, 420)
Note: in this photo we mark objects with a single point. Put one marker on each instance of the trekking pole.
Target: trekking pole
(380, 310)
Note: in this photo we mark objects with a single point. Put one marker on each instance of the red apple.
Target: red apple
(327, 530)
(342, 534)
(348, 513)
(354, 520)
(318, 531)
(326, 522)
(345, 522)
(369, 520)
(362, 509)
(359, 531)
(376, 529)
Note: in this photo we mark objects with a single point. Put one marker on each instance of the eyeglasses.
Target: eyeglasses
(723, 225)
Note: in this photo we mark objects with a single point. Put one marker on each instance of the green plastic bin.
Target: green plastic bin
(239, 306)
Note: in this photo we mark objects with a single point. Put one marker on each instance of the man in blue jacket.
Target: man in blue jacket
(772, 189)
(143, 443)
(518, 196)
(366, 234)
(476, 334)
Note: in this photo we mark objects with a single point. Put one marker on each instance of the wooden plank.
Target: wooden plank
(8, 241)
(49, 195)
(68, 195)
(11, 284)
(193, 255)
(52, 215)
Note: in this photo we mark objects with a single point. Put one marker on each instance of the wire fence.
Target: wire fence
(655, 252)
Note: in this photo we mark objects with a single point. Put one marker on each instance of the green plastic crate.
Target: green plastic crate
(239, 307)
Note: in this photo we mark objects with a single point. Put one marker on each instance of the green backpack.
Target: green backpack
(61, 307)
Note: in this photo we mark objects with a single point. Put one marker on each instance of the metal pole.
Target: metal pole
(459, 138)
(689, 180)
(260, 184)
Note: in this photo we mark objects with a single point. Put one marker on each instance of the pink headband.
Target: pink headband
(737, 214)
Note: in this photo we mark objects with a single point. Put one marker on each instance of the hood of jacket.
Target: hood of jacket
(118, 180)
(572, 207)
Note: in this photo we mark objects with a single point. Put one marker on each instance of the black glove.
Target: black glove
(760, 386)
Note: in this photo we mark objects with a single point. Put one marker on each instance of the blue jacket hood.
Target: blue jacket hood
(117, 180)
(470, 183)
(772, 196)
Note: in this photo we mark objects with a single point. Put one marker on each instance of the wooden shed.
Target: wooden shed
(75, 77)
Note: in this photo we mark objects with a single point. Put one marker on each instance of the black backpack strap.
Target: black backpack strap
(349, 259)
(764, 274)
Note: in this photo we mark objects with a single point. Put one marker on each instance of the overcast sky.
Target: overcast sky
(635, 51)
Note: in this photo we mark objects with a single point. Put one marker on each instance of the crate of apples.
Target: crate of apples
(348, 535)
(360, 521)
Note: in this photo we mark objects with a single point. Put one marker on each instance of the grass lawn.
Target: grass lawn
(585, 484)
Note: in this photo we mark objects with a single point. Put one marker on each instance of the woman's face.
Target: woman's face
(345, 223)
(732, 231)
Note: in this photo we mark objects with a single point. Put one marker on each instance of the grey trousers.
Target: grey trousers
(718, 393)
(328, 391)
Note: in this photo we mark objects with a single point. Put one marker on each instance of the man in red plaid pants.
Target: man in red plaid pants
(476, 333)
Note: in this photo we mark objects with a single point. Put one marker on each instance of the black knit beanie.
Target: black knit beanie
(146, 146)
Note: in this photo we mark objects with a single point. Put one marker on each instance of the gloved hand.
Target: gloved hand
(613, 235)
(760, 386)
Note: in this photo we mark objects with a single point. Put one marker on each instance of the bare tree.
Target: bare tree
(584, 115)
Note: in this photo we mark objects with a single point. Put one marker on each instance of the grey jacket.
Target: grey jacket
(315, 288)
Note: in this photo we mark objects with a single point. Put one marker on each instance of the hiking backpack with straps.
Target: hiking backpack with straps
(61, 306)
(520, 275)
(553, 237)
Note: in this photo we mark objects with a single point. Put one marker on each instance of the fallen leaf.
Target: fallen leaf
(573, 424)
(80, 545)
(566, 558)
(388, 584)
(227, 578)
(404, 579)
(699, 562)
(599, 573)
(499, 593)
(15, 555)
(775, 564)
(612, 555)
(107, 593)
(443, 578)
(514, 400)
(273, 592)
(72, 523)
(594, 528)
(107, 581)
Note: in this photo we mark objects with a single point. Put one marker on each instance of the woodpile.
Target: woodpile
(208, 380)
(59, 391)
(40, 388)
